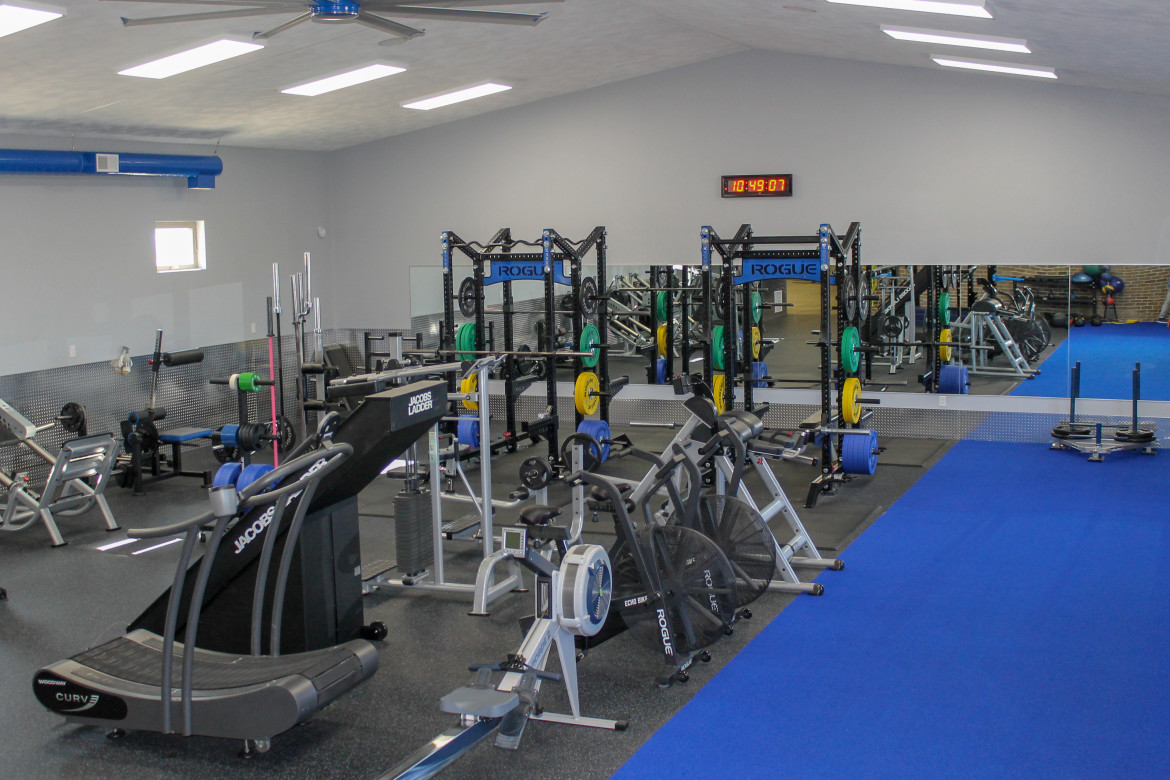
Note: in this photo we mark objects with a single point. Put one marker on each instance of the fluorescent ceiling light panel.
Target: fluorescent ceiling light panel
(198, 57)
(926, 6)
(995, 67)
(343, 80)
(13, 18)
(919, 35)
(438, 101)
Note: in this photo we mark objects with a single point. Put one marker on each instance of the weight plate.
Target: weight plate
(719, 390)
(944, 350)
(467, 431)
(850, 405)
(227, 474)
(599, 430)
(287, 433)
(944, 310)
(465, 341)
(535, 473)
(250, 474)
(759, 371)
(850, 297)
(757, 306)
(850, 357)
(660, 371)
(229, 435)
(467, 297)
(717, 359)
(953, 379)
(470, 384)
(660, 305)
(590, 338)
(588, 296)
(859, 452)
(72, 417)
(720, 292)
(225, 454)
(757, 342)
(585, 391)
(661, 340)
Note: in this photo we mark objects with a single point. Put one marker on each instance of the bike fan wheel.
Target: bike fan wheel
(745, 539)
(698, 584)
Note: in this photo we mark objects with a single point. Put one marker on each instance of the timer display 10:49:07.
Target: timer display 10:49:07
(768, 186)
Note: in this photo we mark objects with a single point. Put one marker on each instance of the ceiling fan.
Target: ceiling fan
(346, 11)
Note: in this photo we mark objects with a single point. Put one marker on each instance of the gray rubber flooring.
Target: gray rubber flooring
(64, 600)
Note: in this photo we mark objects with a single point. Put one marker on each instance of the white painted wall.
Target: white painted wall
(77, 253)
(936, 165)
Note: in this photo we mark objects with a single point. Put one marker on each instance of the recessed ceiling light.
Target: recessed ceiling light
(192, 58)
(343, 80)
(13, 18)
(953, 7)
(957, 39)
(995, 67)
(438, 101)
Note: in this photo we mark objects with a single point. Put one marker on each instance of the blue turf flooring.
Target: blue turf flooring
(1107, 355)
(1008, 617)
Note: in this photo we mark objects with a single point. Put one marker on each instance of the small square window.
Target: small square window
(178, 246)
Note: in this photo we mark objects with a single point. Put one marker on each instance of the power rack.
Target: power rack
(498, 262)
(745, 259)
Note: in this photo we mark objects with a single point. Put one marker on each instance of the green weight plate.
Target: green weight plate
(465, 341)
(660, 305)
(850, 358)
(757, 306)
(717, 347)
(590, 338)
(944, 309)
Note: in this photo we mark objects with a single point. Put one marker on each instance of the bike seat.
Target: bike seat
(538, 514)
(598, 493)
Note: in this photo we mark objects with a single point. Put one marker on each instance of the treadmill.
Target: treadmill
(262, 632)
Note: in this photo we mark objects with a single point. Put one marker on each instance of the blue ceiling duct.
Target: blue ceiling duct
(200, 171)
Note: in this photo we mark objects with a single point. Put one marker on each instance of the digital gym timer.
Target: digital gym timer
(768, 185)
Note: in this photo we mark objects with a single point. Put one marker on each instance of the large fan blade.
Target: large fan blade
(204, 16)
(231, 2)
(457, 15)
(387, 26)
(384, 4)
(293, 22)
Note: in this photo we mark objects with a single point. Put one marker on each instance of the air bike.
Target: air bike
(267, 628)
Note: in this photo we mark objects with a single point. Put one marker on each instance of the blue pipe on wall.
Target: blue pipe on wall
(200, 171)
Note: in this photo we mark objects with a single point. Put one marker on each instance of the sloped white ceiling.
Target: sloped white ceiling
(61, 77)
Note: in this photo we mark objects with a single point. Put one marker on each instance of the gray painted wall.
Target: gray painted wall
(936, 165)
(77, 254)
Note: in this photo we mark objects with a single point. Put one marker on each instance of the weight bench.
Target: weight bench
(65, 492)
(177, 438)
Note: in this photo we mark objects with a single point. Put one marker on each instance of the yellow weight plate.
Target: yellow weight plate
(850, 406)
(757, 342)
(470, 384)
(661, 341)
(944, 351)
(585, 392)
(718, 388)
